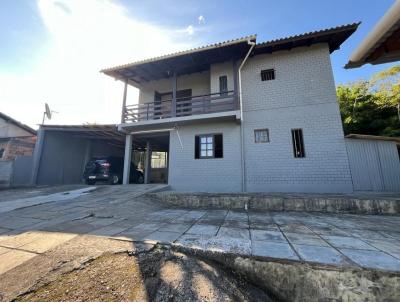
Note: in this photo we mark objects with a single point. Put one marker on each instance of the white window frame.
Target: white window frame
(261, 141)
(206, 145)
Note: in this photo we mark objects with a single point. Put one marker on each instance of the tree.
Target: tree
(372, 107)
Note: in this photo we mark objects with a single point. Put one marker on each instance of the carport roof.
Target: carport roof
(108, 132)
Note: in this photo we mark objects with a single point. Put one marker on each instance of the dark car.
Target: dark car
(109, 169)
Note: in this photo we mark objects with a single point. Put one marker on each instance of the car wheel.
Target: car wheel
(140, 179)
(90, 182)
(114, 179)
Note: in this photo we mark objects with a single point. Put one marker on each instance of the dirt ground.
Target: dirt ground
(156, 275)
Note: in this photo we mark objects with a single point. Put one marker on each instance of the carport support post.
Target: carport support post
(37, 155)
(127, 159)
(148, 163)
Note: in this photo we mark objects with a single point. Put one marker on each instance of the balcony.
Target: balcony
(199, 106)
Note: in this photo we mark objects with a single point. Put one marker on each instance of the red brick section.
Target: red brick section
(21, 146)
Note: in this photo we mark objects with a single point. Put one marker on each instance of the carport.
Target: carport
(62, 151)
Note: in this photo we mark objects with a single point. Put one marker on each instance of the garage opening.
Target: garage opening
(150, 155)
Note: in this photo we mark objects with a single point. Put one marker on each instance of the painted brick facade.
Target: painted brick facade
(211, 175)
(302, 96)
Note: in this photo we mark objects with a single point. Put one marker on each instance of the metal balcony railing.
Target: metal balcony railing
(186, 106)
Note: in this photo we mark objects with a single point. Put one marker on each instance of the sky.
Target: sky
(52, 50)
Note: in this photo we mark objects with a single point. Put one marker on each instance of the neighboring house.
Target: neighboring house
(241, 116)
(16, 139)
(382, 45)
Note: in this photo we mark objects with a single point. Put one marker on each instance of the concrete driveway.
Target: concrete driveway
(47, 219)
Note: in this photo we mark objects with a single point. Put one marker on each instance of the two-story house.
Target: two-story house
(242, 116)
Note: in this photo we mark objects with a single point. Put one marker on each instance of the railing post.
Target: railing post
(123, 113)
(147, 115)
(174, 84)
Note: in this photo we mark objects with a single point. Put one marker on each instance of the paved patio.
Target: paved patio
(368, 241)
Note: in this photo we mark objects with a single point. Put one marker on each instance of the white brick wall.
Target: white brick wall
(212, 175)
(302, 96)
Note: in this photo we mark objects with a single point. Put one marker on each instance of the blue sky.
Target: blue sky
(52, 50)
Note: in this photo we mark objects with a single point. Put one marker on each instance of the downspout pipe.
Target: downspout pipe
(243, 166)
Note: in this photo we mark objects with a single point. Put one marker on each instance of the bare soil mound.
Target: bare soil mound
(157, 275)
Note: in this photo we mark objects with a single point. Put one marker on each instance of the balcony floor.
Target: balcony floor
(156, 124)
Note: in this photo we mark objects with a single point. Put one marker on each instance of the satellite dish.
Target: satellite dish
(47, 111)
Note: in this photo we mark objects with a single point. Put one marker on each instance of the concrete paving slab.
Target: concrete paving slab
(273, 249)
(13, 259)
(46, 241)
(390, 246)
(295, 228)
(237, 216)
(4, 250)
(264, 226)
(18, 222)
(305, 239)
(176, 227)
(365, 234)
(210, 221)
(203, 229)
(212, 243)
(348, 242)
(20, 240)
(145, 227)
(163, 237)
(372, 259)
(261, 235)
(233, 233)
(321, 254)
(235, 224)
(108, 230)
(4, 230)
(328, 230)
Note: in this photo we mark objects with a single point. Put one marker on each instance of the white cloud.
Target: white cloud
(189, 30)
(201, 19)
(86, 36)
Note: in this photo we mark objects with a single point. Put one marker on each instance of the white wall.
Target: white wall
(217, 70)
(8, 129)
(198, 82)
(211, 175)
(302, 96)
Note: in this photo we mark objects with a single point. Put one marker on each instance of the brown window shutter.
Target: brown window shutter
(218, 149)
(196, 147)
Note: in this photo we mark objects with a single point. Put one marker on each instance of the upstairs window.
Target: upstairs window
(208, 146)
(298, 143)
(223, 85)
(267, 74)
(1, 152)
(261, 136)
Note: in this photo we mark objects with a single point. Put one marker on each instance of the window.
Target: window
(261, 136)
(1, 152)
(208, 146)
(223, 85)
(298, 143)
(267, 74)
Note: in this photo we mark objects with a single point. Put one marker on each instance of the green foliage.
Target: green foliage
(372, 107)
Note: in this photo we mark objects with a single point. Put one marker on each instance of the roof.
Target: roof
(334, 37)
(104, 132)
(382, 44)
(199, 59)
(374, 137)
(183, 62)
(17, 123)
